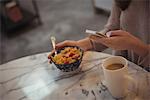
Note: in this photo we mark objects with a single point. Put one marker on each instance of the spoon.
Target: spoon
(53, 40)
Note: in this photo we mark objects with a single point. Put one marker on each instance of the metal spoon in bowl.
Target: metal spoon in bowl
(53, 40)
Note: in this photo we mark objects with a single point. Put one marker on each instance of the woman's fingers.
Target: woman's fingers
(65, 43)
(116, 33)
(109, 42)
(112, 42)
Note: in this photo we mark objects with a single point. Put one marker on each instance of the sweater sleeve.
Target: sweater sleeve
(112, 24)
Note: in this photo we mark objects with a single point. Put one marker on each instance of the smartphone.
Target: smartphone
(95, 33)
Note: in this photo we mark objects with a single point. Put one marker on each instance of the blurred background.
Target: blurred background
(26, 25)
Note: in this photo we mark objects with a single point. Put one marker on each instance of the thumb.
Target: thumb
(116, 33)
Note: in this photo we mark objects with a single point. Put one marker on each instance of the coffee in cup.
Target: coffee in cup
(115, 66)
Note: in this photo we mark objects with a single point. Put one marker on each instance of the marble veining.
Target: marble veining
(33, 78)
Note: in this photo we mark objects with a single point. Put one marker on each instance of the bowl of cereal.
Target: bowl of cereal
(67, 58)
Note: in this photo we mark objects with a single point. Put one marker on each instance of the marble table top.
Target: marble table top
(33, 78)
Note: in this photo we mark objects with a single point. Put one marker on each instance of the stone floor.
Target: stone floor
(64, 19)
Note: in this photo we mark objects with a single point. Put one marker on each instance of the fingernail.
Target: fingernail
(108, 34)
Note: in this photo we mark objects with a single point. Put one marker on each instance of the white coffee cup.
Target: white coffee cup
(116, 80)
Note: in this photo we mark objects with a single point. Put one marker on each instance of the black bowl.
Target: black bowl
(68, 67)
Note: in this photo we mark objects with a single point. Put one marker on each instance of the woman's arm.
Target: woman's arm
(85, 44)
(122, 40)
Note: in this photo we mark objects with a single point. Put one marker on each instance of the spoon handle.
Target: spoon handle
(53, 40)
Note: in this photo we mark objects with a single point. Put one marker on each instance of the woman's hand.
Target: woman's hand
(63, 44)
(122, 40)
(66, 43)
(84, 44)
